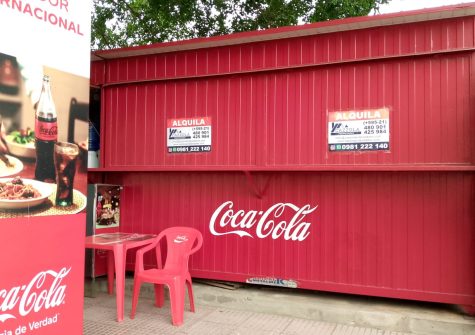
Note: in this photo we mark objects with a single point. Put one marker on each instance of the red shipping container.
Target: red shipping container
(333, 156)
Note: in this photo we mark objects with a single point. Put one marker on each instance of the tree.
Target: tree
(120, 23)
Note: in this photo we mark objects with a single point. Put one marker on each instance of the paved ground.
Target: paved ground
(99, 318)
(252, 310)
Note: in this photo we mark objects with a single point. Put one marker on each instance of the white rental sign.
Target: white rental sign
(359, 130)
(191, 135)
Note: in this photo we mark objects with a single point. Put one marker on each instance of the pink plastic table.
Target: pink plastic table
(117, 245)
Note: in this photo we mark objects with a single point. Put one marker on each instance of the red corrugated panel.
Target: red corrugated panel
(408, 235)
(394, 41)
(280, 117)
(97, 73)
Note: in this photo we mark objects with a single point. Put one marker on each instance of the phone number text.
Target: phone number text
(359, 146)
(189, 149)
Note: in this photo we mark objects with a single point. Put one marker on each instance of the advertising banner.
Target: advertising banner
(44, 83)
(107, 206)
(41, 283)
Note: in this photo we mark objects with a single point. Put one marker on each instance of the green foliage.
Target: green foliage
(120, 23)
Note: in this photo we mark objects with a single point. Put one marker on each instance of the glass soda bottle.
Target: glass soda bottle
(46, 133)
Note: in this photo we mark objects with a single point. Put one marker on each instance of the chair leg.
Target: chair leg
(190, 295)
(135, 296)
(159, 298)
(177, 301)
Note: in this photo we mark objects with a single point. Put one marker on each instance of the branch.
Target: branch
(134, 13)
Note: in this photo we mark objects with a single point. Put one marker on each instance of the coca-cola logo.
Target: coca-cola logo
(178, 239)
(44, 291)
(262, 224)
(48, 131)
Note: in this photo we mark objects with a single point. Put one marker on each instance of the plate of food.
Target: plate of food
(9, 165)
(21, 143)
(17, 193)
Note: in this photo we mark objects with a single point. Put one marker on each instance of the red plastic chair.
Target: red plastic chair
(181, 243)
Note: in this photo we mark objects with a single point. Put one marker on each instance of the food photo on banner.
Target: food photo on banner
(43, 168)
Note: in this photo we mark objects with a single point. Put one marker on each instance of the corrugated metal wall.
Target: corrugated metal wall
(386, 233)
(407, 234)
(279, 117)
(368, 44)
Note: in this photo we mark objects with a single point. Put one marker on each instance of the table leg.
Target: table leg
(110, 271)
(119, 259)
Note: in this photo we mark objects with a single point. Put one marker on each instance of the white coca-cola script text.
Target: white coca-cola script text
(262, 223)
(44, 291)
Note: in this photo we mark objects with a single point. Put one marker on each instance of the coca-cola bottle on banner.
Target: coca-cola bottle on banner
(46, 133)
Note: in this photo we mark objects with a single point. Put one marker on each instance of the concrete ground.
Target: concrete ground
(256, 310)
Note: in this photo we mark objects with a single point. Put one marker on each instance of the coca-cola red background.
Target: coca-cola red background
(397, 223)
(41, 289)
(397, 234)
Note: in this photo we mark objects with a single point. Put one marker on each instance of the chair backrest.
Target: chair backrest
(77, 111)
(181, 243)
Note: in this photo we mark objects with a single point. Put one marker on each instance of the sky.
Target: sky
(403, 5)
